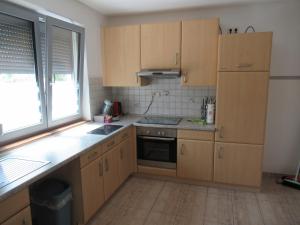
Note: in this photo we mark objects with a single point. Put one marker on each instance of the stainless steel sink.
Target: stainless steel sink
(13, 168)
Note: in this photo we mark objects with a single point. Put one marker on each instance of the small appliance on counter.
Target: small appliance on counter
(107, 111)
(117, 111)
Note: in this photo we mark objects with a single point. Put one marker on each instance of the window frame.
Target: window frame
(44, 87)
(50, 22)
(21, 13)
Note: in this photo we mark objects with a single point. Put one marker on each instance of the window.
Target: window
(40, 72)
(64, 70)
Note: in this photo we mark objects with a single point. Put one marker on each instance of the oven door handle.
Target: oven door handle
(157, 138)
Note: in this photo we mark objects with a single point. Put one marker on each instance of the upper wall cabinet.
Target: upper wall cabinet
(160, 45)
(199, 52)
(245, 52)
(121, 56)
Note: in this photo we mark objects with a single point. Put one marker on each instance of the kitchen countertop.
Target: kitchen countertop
(61, 148)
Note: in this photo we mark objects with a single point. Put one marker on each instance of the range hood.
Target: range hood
(159, 73)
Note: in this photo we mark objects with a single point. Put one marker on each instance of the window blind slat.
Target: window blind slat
(62, 51)
(16, 46)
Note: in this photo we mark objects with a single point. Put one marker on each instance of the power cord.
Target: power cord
(249, 27)
(151, 102)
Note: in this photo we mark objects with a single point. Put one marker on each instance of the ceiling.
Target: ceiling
(121, 7)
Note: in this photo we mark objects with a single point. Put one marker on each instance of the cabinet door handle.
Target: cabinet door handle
(100, 169)
(137, 79)
(106, 165)
(92, 155)
(110, 144)
(121, 153)
(244, 65)
(181, 150)
(221, 132)
(176, 58)
(184, 77)
(220, 153)
(24, 222)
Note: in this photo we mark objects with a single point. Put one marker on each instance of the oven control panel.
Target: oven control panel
(156, 132)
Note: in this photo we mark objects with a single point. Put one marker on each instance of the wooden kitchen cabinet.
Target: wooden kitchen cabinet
(239, 164)
(199, 52)
(195, 159)
(241, 107)
(14, 204)
(125, 160)
(21, 218)
(92, 181)
(160, 45)
(121, 56)
(245, 52)
(111, 171)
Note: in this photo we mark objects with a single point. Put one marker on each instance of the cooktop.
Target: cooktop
(160, 120)
(105, 130)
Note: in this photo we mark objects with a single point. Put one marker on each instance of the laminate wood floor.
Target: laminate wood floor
(143, 201)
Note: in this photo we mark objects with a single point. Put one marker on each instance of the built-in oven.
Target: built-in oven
(157, 147)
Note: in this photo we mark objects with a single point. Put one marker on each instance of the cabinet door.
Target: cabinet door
(121, 56)
(195, 159)
(199, 52)
(241, 107)
(21, 218)
(245, 52)
(111, 172)
(238, 164)
(160, 45)
(125, 160)
(92, 188)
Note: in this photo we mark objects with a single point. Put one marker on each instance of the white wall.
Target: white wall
(91, 20)
(283, 124)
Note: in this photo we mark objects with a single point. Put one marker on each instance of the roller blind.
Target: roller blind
(16, 46)
(62, 51)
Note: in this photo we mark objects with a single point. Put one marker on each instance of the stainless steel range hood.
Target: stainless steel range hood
(156, 73)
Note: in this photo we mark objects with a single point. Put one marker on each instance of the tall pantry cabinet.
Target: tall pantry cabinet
(242, 92)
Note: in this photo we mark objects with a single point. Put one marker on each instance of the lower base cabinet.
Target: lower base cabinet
(239, 164)
(111, 171)
(195, 159)
(21, 218)
(125, 160)
(92, 181)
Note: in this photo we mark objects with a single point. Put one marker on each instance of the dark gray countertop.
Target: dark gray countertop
(61, 148)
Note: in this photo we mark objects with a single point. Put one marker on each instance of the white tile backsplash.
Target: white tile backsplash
(179, 101)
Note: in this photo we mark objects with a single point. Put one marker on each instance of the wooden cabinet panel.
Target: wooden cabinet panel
(195, 159)
(91, 155)
(13, 204)
(238, 164)
(109, 144)
(241, 107)
(121, 55)
(199, 52)
(125, 160)
(21, 218)
(245, 52)
(111, 172)
(196, 134)
(160, 45)
(92, 188)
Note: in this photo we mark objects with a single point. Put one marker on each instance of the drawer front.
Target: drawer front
(13, 204)
(21, 218)
(108, 145)
(123, 135)
(196, 135)
(90, 156)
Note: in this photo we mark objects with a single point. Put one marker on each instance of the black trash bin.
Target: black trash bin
(51, 203)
